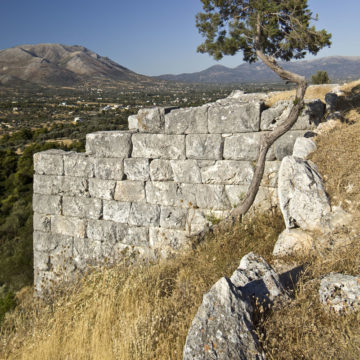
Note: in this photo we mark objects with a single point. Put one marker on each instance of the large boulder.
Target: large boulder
(303, 200)
(340, 292)
(293, 242)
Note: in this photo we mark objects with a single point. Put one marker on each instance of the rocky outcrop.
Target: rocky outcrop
(223, 325)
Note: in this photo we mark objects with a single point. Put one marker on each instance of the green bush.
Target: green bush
(321, 77)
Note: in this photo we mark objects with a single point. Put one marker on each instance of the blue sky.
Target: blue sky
(149, 37)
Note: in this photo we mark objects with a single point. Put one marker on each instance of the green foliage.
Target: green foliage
(7, 303)
(281, 29)
(321, 77)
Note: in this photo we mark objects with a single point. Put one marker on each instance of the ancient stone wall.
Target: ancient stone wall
(147, 189)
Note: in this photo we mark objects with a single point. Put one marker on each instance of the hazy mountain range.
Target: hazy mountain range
(56, 65)
(337, 67)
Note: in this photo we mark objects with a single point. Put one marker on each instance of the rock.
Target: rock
(222, 327)
(148, 120)
(303, 147)
(303, 200)
(331, 100)
(285, 144)
(293, 242)
(128, 190)
(137, 169)
(204, 146)
(242, 146)
(340, 292)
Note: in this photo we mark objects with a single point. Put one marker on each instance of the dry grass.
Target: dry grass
(128, 312)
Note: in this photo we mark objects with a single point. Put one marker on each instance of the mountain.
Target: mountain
(337, 67)
(61, 65)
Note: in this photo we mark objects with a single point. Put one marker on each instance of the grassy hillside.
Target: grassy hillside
(144, 311)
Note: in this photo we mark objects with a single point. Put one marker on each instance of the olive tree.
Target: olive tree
(266, 30)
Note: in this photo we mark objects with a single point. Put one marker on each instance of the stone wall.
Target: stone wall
(147, 189)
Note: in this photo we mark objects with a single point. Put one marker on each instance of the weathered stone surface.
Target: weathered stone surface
(106, 231)
(102, 189)
(41, 260)
(116, 211)
(49, 162)
(303, 147)
(46, 242)
(137, 236)
(163, 193)
(285, 144)
(228, 172)
(158, 146)
(66, 225)
(149, 120)
(133, 122)
(270, 177)
(161, 170)
(258, 281)
(165, 241)
(78, 164)
(47, 184)
(47, 204)
(61, 258)
(187, 121)
(82, 207)
(42, 222)
(276, 115)
(204, 147)
(109, 168)
(173, 217)
(222, 327)
(199, 220)
(293, 242)
(331, 100)
(109, 144)
(234, 118)
(302, 196)
(186, 171)
(128, 190)
(74, 186)
(242, 147)
(340, 292)
(136, 169)
(143, 214)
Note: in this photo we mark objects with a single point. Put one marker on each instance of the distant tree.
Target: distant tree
(321, 77)
(265, 30)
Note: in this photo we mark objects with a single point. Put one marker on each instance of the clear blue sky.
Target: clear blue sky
(151, 37)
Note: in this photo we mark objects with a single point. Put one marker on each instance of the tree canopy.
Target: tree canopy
(279, 28)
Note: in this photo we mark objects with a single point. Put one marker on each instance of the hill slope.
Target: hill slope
(338, 68)
(62, 65)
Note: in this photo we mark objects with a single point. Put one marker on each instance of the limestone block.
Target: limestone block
(61, 258)
(303, 200)
(41, 260)
(186, 171)
(187, 121)
(113, 144)
(66, 225)
(158, 146)
(270, 176)
(276, 115)
(340, 292)
(204, 147)
(133, 122)
(49, 162)
(236, 193)
(167, 240)
(78, 164)
(90, 252)
(46, 204)
(228, 172)
(102, 189)
(143, 214)
(161, 170)
(149, 120)
(131, 191)
(75, 186)
(205, 196)
(47, 184)
(46, 242)
(106, 231)
(285, 144)
(132, 252)
(43, 281)
(82, 207)
(137, 236)
(199, 220)
(205, 163)
(173, 217)
(242, 147)
(163, 193)
(116, 211)
(234, 118)
(42, 222)
(136, 169)
(303, 147)
(293, 242)
(222, 327)
(109, 168)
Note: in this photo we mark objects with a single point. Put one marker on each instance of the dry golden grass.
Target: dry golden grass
(127, 312)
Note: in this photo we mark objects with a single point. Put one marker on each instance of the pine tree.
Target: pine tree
(268, 30)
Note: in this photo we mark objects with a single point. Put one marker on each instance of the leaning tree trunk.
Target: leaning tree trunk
(268, 139)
